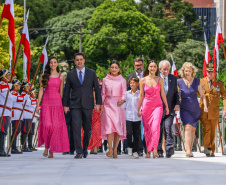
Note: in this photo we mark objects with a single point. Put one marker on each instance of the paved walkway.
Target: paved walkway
(33, 169)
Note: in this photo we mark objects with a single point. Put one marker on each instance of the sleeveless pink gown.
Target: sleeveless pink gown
(52, 130)
(152, 110)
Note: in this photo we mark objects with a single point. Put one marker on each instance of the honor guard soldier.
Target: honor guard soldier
(33, 95)
(27, 114)
(212, 89)
(16, 112)
(5, 77)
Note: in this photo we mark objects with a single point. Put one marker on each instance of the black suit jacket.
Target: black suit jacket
(172, 95)
(81, 95)
(127, 80)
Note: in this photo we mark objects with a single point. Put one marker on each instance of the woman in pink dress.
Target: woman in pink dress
(52, 130)
(151, 92)
(113, 116)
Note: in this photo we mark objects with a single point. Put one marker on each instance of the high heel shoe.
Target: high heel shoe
(148, 155)
(45, 154)
(108, 154)
(115, 155)
(189, 155)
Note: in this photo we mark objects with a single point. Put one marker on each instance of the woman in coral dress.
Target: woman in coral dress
(52, 130)
(151, 95)
(113, 116)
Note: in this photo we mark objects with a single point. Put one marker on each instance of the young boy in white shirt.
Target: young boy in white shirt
(133, 122)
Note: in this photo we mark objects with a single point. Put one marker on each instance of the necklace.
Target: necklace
(187, 81)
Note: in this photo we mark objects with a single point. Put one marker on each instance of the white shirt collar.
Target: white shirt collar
(140, 73)
(135, 92)
(163, 76)
(83, 70)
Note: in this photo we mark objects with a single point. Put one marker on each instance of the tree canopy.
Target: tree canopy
(120, 30)
(176, 19)
(4, 39)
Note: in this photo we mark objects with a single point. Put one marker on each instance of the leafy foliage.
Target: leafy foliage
(173, 17)
(4, 39)
(41, 11)
(62, 40)
(120, 30)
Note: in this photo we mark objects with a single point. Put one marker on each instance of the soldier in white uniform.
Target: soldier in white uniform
(5, 77)
(16, 112)
(33, 95)
(27, 114)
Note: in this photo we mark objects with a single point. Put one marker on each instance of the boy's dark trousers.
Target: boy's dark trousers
(133, 134)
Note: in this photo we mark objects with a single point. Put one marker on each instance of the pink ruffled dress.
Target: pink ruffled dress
(52, 130)
(113, 117)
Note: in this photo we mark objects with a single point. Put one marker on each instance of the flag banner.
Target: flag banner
(8, 13)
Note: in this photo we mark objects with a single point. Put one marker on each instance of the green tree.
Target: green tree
(4, 39)
(174, 18)
(120, 30)
(190, 51)
(194, 51)
(41, 11)
(61, 40)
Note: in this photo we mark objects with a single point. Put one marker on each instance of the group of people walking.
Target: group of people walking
(148, 99)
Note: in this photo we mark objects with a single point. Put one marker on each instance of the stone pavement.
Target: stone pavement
(34, 169)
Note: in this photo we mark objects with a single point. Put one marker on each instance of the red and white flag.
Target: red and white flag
(44, 57)
(8, 13)
(207, 57)
(218, 39)
(174, 69)
(27, 51)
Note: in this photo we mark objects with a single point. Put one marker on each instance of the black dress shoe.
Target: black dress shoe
(15, 151)
(194, 150)
(118, 152)
(168, 156)
(207, 151)
(208, 155)
(34, 149)
(140, 154)
(178, 149)
(85, 154)
(27, 149)
(212, 155)
(3, 154)
(72, 153)
(161, 155)
(125, 151)
(65, 153)
(78, 156)
(169, 153)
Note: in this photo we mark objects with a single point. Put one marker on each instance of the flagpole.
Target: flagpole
(28, 131)
(224, 52)
(39, 62)
(23, 49)
(1, 22)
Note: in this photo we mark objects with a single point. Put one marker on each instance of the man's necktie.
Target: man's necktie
(211, 83)
(80, 77)
(139, 75)
(165, 86)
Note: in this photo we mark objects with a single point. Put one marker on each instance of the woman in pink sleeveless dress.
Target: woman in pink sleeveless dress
(151, 96)
(52, 130)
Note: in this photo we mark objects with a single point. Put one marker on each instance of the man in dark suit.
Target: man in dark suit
(138, 66)
(170, 87)
(80, 82)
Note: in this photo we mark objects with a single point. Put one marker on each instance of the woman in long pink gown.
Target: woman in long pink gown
(113, 116)
(151, 92)
(52, 130)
